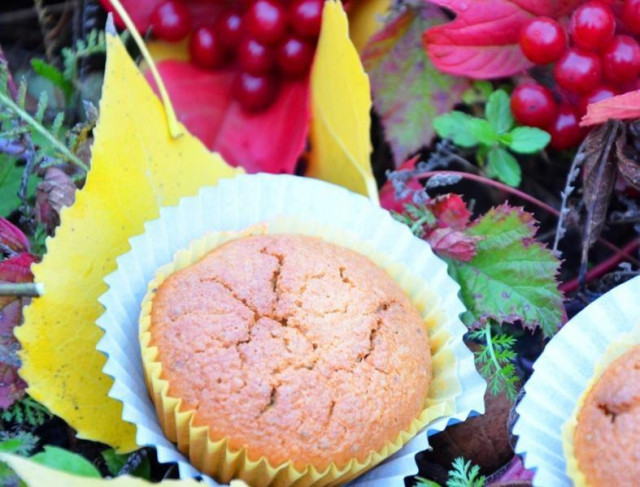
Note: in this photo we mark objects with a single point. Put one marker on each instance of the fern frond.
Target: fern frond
(27, 411)
(93, 44)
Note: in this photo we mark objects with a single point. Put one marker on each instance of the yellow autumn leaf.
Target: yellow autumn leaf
(136, 168)
(340, 106)
(365, 19)
(36, 475)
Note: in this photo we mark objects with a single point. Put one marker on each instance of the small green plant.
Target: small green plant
(19, 443)
(495, 360)
(463, 474)
(494, 136)
(66, 78)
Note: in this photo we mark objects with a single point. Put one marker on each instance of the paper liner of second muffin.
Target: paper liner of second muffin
(215, 457)
(616, 350)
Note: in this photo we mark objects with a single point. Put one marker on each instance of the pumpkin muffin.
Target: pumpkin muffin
(607, 435)
(292, 348)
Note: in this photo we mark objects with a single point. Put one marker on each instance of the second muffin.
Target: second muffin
(607, 432)
(292, 348)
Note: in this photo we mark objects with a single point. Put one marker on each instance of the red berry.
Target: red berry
(171, 21)
(256, 93)
(229, 27)
(621, 60)
(599, 94)
(592, 25)
(631, 15)
(533, 105)
(295, 56)
(206, 48)
(543, 40)
(306, 17)
(266, 21)
(565, 130)
(578, 71)
(256, 58)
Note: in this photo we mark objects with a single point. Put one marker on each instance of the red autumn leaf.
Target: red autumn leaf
(482, 41)
(620, 107)
(268, 141)
(450, 211)
(17, 269)
(11, 386)
(447, 242)
(140, 11)
(12, 238)
(388, 199)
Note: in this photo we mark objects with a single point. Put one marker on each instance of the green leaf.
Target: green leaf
(512, 277)
(482, 130)
(453, 126)
(498, 112)
(116, 461)
(10, 176)
(528, 140)
(422, 482)
(53, 74)
(479, 92)
(504, 166)
(66, 461)
(408, 91)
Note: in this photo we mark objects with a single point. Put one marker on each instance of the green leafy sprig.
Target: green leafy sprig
(26, 411)
(66, 78)
(495, 135)
(463, 474)
(495, 360)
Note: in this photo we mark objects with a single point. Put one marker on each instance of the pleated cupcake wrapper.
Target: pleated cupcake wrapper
(562, 375)
(235, 205)
(622, 345)
(215, 457)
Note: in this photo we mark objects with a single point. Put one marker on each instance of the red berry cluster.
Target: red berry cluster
(267, 39)
(600, 58)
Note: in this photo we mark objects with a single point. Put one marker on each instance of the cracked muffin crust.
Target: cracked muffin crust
(294, 348)
(607, 435)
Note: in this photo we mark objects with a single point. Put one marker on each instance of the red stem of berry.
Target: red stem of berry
(621, 253)
(602, 268)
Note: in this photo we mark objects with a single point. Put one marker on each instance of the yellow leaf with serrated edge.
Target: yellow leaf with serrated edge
(136, 168)
(340, 106)
(366, 17)
(36, 475)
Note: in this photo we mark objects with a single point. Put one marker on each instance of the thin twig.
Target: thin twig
(9, 103)
(526, 197)
(574, 170)
(23, 289)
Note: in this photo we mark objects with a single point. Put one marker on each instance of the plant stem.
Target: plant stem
(9, 103)
(492, 352)
(21, 289)
(175, 129)
(526, 197)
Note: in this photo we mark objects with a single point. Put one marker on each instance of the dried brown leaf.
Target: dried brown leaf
(599, 176)
(628, 157)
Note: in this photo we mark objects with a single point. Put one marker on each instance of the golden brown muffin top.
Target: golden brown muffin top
(294, 348)
(607, 436)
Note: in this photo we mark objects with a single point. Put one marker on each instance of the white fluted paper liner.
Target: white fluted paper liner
(236, 204)
(561, 375)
